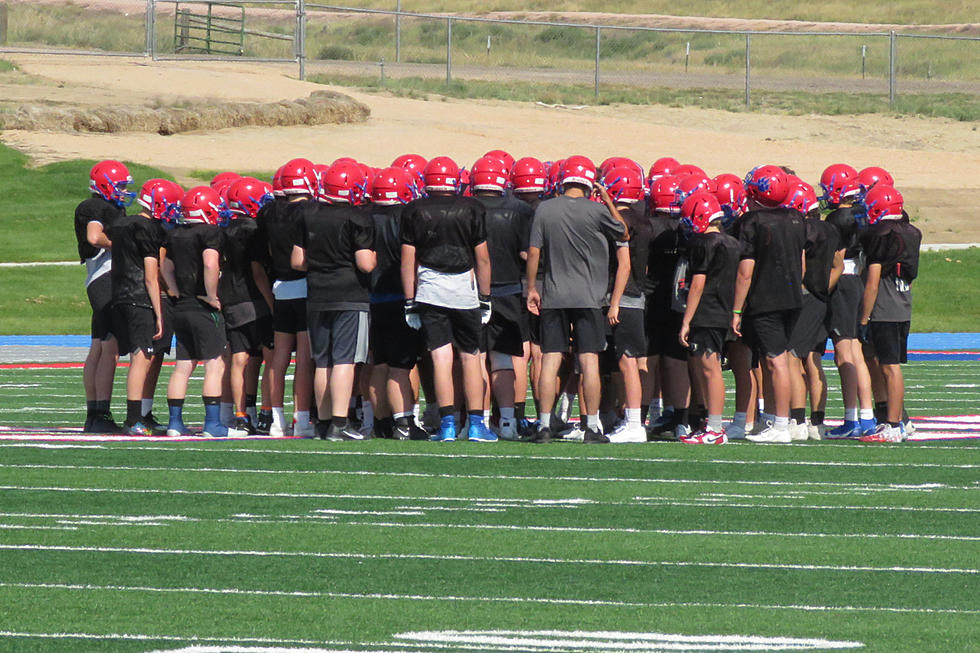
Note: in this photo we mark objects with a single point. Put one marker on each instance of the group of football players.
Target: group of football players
(628, 289)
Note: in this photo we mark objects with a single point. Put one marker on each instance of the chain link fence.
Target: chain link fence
(371, 44)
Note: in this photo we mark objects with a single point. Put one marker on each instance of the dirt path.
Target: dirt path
(936, 162)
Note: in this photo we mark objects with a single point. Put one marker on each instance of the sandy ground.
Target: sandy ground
(936, 162)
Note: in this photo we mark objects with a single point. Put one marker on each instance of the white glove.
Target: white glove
(412, 317)
(485, 310)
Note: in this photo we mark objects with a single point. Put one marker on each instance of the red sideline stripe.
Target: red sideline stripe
(64, 366)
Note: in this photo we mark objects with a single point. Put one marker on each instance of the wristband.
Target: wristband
(736, 312)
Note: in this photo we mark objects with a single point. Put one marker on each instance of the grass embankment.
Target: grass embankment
(38, 227)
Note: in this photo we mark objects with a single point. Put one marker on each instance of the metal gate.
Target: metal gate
(209, 33)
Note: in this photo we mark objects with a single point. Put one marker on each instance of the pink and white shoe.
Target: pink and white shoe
(707, 436)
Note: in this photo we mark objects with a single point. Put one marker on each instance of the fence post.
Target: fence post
(598, 38)
(148, 50)
(398, 32)
(301, 37)
(449, 50)
(864, 59)
(748, 68)
(891, 66)
(3, 23)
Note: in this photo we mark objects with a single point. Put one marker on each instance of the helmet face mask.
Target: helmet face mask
(663, 195)
(160, 199)
(700, 209)
(767, 185)
(247, 196)
(109, 179)
(625, 185)
(839, 181)
(883, 202)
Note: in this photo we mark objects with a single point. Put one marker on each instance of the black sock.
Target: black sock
(895, 424)
(816, 417)
(798, 414)
(680, 416)
(91, 408)
(339, 422)
(250, 401)
(475, 413)
(102, 407)
(212, 401)
(446, 411)
(134, 409)
(519, 407)
(385, 425)
(881, 411)
(644, 411)
(905, 415)
(175, 402)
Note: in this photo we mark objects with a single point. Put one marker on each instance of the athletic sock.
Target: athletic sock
(633, 416)
(446, 411)
(780, 423)
(592, 422)
(486, 416)
(544, 420)
(817, 417)
(866, 414)
(91, 408)
(851, 414)
(279, 417)
(302, 417)
(881, 411)
(102, 407)
(798, 414)
(146, 405)
(714, 423)
(506, 413)
(739, 419)
(133, 408)
(680, 416)
(176, 409)
(644, 411)
(227, 411)
(519, 407)
(339, 422)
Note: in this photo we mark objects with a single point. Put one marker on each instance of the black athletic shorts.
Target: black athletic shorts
(338, 337)
(889, 340)
(164, 343)
(200, 334)
(769, 333)
(251, 337)
(289, 315)
(100, 299)
(459, 326)
(393, 342)
(663, 329)
(134, 327)
(508, 328)
(585, 326)
(810, 332)
(533, 325)
(844, 307)
(706, 340)
(629, 337)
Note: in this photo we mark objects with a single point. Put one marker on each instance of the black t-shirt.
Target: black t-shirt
(665, 248)
(894, 244)
(715, 255)
(331, 235)
(822, 242)
(386, 279)
(639, 247)
(185, 246)
(243, 245)
(774, 239)
(845, 219)
(281, 226)
(94, 209)
(444, 230)
(134, 238)
(508, 230)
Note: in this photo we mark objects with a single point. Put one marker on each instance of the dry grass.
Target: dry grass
(321, 107)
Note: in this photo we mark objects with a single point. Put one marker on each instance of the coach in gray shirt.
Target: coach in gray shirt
(574, 234)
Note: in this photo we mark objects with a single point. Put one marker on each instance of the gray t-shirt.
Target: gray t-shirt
(574, 236)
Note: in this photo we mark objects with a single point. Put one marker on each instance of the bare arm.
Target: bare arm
(366, 260)
(742, 282)
(151, 279)
(837, 269)
(408, 271)
(619, 284)
(613, 211)
(212, 271)
(870, 292)
(96, 237)
(533, 296)
(482, 254)
(693, 300)
(297, 258)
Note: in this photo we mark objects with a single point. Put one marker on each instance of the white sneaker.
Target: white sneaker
(734, 432)
(759, 426)
(628, 433)
(682, 431)
(508, 429)
(302, 430)
(278, 430)
(771, 434)
(798, 432)
(576, 434)
(815, 431)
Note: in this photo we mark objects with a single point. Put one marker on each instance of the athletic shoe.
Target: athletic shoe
(771, 435)
(279, 430)
(798, 432)
(760, 426)
(508, 429)
(735, 432)
(681, 431)
(593, 436)
(264, 422)
(541, 436)
(560, 427)
(155, 427)
(478, 432)
(105, 424)
(215, 430)
(304, 431)
(241, 427)
(885, 432)
(577, 434)
(868, 426)
(526, 428)
(409, 430)
(88, 424)
(909, 428)
(628, 433)
(815, 431)
(177, 428)
(707, 436)
(845, 431)
(447, 430)
(136, 428)
(663, 423)
(340, 433)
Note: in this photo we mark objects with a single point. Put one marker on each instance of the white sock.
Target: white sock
(146, 405)
(633, 416)
(781, 423)
(592, 422)
(760, 405)
(739, 419)
(544, 419)
(867, 413)
(368, 409)
(714, 423)
(227, 413)
(400, 415)
(486, 416)
(302, 418)
(507, 413)
(416, 410)
(568, 399)
(850, 414)
(279, 417)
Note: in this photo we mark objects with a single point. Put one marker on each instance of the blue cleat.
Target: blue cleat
(478, 432)
(447, 430)
(845, 430)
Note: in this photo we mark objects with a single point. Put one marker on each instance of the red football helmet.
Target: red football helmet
(873, 175)
(663, 195)
(161, 198)
(554, 175)
(277, 190)
(503, 156)
(224, 179)
(320, 169)
(767, 185)
(109, 179)
(577, 169)
(693, 183)
(343, 183)
(699, 210)
(414, 163)
(802, 197)
(688, 169)
(201, 204)
(731, 193)
(619, 162)
(441, 174)
(299, 178)
(247, 195)
(663, 166)
(394, 185)
(490, 173)
(529, 176)
(838, 181)
(625, 184)
(883, 202)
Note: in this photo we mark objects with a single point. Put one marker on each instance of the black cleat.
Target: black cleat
(543, 436)
(342, 433)
(594, 437)
(409, 431)
(105, 424)
(264, 422)
(155, 427)
(241, 427)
